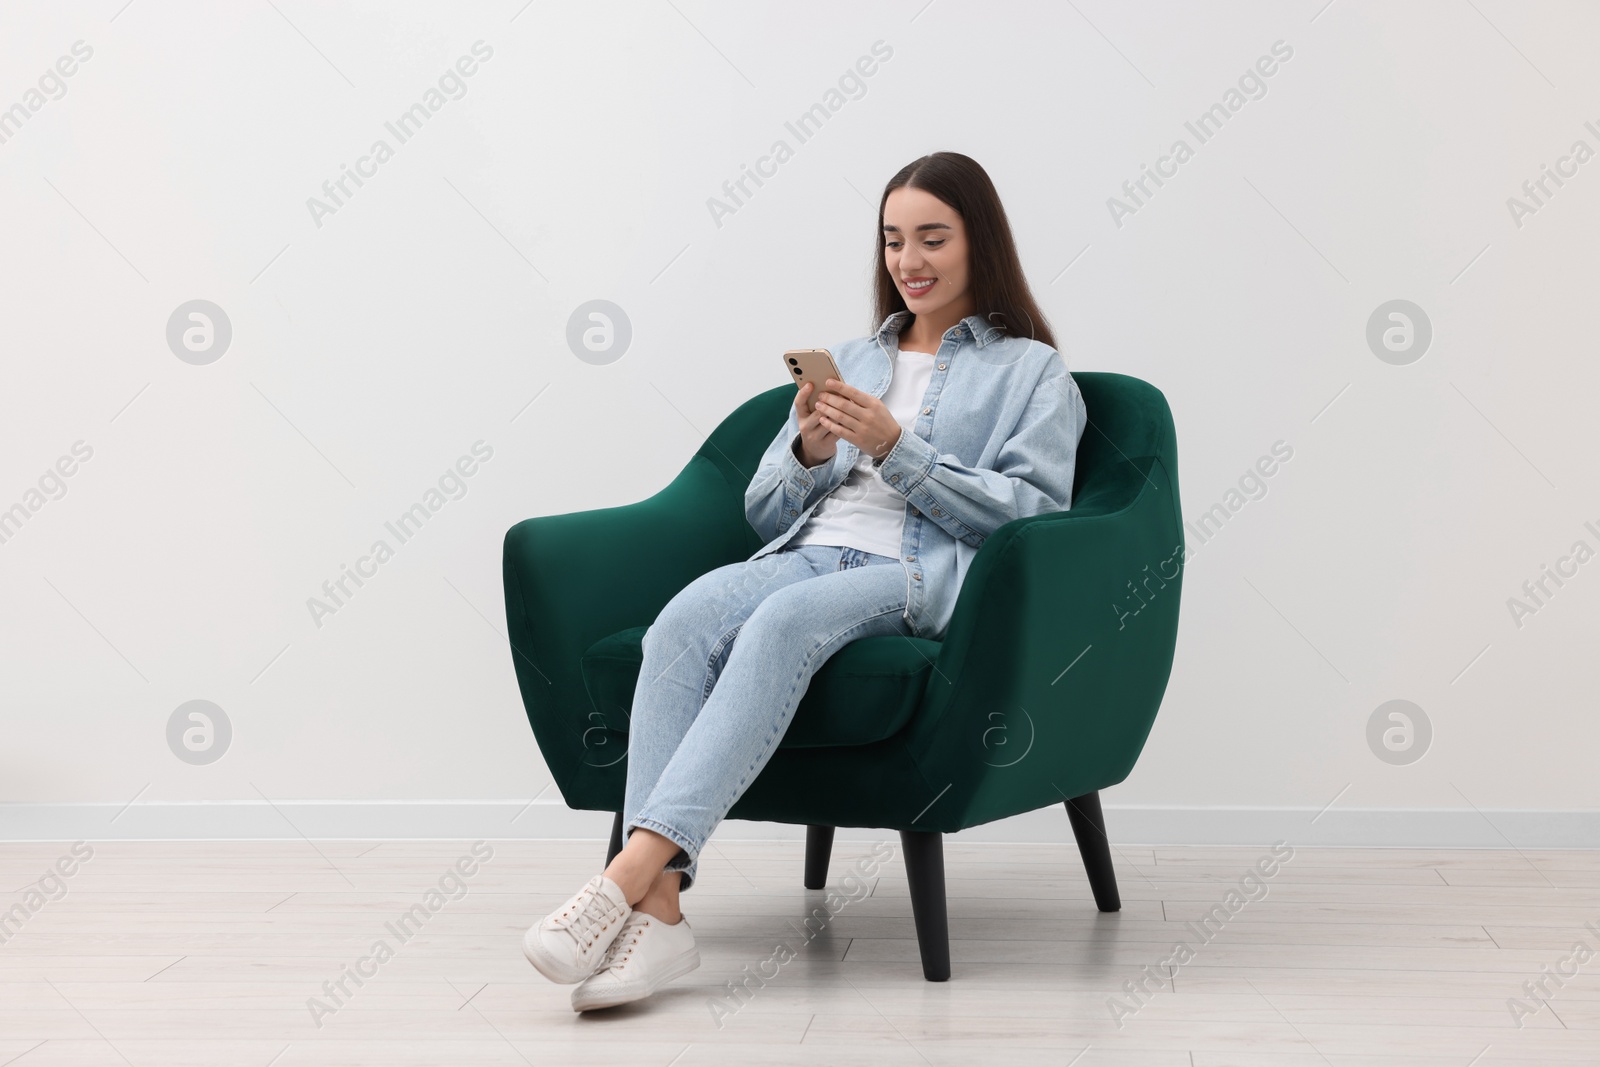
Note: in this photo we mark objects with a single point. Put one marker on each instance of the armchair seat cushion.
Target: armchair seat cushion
(867, 691)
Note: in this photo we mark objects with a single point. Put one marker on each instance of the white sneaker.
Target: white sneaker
(646, 955)
(568, 944)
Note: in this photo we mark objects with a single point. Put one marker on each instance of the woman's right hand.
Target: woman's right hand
(817, 443)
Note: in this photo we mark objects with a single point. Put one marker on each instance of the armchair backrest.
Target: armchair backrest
(1129, 422)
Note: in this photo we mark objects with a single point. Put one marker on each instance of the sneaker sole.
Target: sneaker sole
(551, 967)
(678, 968)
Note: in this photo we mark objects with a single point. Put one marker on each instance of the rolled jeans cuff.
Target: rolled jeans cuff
(690, 858)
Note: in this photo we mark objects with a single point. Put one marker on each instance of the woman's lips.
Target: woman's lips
(915, 291)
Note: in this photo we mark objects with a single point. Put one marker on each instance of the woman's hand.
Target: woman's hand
(816, 441)
(858, 417)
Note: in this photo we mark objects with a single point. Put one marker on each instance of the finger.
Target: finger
(841, 407)
(843, 422)
(857, 401)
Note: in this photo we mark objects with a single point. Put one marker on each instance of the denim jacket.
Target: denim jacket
(1000, 447)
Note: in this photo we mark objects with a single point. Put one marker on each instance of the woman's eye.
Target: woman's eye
(934, 244)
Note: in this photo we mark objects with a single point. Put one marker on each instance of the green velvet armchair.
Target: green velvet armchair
(1041, 692)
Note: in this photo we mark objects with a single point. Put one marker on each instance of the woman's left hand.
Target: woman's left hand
(858, 417)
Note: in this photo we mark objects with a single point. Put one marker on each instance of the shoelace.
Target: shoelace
(620, 951)
(587, 920)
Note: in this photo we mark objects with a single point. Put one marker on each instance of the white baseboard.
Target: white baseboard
(253, 820)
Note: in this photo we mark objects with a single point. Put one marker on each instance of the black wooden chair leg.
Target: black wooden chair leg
(1089, 827)
(924, 853)
(819, 849)
(616, 839)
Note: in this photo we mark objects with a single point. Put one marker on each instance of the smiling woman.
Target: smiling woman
(947, 251)
(955, 416)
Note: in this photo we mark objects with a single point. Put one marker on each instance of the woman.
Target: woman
(956, 417)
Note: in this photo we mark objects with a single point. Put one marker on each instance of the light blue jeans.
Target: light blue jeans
(725, 665)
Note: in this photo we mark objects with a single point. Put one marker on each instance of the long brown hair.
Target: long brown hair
(994, 272)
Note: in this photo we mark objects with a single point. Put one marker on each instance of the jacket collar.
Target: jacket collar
(973, 327)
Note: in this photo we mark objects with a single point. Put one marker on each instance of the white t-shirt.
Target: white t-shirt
(863, 512)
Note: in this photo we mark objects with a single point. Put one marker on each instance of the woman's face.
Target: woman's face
(924, 241)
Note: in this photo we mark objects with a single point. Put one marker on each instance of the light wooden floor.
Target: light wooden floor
(171, 954)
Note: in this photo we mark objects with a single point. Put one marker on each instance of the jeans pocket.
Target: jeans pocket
(855, 557)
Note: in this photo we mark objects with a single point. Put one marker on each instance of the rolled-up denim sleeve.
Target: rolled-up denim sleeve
(782, 487)
(1032, 474)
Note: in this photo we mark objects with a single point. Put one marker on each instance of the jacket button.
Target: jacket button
(894, 477)
(918, 577)
(914, 511)
(791, 511)
(936, 511)
(927, 411)
(911, 559)
(941, 366)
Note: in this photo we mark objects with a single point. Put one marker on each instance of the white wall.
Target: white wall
(371, 348)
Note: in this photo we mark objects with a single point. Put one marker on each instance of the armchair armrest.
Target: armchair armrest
(1057, 654)
(572, 579)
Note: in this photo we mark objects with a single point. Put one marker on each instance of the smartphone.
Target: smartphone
(814, 365)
